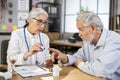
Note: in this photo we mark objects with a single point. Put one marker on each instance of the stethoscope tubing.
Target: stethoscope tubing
(42, 48)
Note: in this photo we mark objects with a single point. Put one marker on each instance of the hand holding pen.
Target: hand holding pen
(34, 49)
(37, 47)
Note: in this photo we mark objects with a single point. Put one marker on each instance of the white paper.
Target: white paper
(23, 4)
(31, 71)
(21, 24)
(6, 75)
(23, 15)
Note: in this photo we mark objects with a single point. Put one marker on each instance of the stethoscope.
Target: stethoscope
(41, 48)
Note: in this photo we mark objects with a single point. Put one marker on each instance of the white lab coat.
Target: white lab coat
(18, 47)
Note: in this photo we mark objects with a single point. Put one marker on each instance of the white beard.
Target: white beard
(90, 39)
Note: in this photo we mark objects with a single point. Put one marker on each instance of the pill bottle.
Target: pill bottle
(56, 71)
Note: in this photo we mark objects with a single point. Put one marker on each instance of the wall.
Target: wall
(118, 7)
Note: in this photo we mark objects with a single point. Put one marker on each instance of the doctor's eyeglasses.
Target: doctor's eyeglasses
(41, 22)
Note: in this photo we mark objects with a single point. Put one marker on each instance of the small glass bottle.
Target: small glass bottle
(56, 71)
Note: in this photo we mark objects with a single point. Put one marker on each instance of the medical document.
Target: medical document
(31, 71)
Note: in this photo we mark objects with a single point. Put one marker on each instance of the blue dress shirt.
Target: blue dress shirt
(102, 59)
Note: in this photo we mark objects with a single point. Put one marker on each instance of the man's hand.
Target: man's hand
(76, 63)
(56, 54)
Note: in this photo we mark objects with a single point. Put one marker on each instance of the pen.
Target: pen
(42, 48)
(41, 44)
(42, 68)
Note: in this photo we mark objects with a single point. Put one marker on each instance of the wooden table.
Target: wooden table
(66, 73)
(67, 43)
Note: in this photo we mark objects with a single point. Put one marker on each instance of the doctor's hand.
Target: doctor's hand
(56, 54)
(78, 61)
(34, 49)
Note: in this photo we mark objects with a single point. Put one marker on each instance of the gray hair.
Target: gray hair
(90, 18)
(35, 12)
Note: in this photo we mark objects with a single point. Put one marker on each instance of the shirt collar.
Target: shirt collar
(27, 32)
(102, 39)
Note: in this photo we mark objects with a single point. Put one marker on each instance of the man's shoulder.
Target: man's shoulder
(113, 34)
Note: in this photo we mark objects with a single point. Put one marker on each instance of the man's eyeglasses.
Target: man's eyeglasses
(40, 21)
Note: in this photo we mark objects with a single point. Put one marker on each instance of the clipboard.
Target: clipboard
(31, 71)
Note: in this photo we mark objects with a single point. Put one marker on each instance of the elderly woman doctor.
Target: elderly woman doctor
(29, 44)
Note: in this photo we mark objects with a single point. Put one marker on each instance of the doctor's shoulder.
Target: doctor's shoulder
(17, 32)
(44, 35)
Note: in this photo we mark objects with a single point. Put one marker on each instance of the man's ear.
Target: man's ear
(93, 27)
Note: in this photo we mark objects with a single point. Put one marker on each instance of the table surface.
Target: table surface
(66, 43)
(66, 73)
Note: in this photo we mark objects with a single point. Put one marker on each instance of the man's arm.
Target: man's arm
(56, 54)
